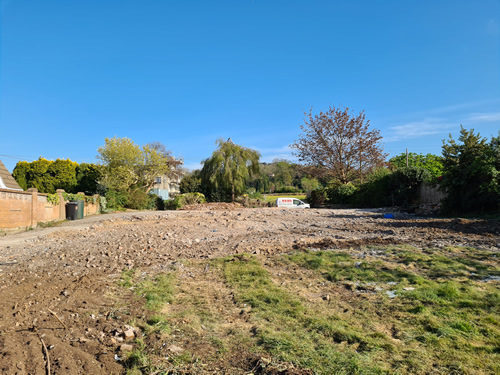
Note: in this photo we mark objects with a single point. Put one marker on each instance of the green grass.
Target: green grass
(343, 267)
(290, 331)
(157, 324)
(138, 361)
(157, 292)
(448, 319)
(127, 278)
(49, 224)
(444, 318)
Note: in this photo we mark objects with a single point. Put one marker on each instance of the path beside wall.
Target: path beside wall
(25, 209)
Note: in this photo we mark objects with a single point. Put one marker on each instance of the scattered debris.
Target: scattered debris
(175, 349)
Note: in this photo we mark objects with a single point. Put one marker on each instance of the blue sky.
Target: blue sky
(188, 72)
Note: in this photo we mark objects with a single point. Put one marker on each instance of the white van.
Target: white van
(291, 203)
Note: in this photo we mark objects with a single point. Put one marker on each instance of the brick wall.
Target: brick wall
(24, 209)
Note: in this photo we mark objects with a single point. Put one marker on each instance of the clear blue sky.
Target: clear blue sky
(188, 72)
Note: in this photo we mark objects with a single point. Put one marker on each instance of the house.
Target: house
(6, 179)
(165, 185)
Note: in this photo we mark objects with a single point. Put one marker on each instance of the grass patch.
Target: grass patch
(448, 318)
(450, 263)
(290, 331)
(49, 224)
(127, 278)
(441, 317)
(339, 266)
(158, 291)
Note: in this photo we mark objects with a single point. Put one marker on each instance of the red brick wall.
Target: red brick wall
(15, 209)
(46, 211)
(24, 209)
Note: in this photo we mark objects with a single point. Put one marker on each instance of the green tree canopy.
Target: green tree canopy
(471, 174)
(20, 174)
(309, 184)
(191, 183)
(279, 175)
(433, 163)
(227, 171)
(283, 173)
(87, 176)
(126, 166)
(47, 175)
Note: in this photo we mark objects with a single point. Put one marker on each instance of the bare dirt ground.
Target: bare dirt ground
(57, 285)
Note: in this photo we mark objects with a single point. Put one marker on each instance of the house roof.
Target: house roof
(6, 179)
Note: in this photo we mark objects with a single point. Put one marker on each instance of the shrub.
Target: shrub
(373, 193)
(172, 204)
(103, 204)
(384, 188)
(288, 189)
(318, 197)
(182, 200)
(256, 195)
(403, 184)
(342, 194)
(116, 200)
(138, 199)
(193, 198)
(155, 202)
(191, 183)
(248, 201)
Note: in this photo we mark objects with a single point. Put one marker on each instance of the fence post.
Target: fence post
(62, 205)
(34, 204)
(97, 204)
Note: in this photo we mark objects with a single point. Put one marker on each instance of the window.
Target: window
(158, 180)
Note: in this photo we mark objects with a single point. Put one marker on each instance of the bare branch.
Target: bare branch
(339, 144)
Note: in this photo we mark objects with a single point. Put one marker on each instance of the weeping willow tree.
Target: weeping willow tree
(227, 171)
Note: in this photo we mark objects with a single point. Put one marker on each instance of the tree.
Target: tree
(63, 175)
(47, 175)
(283, 174)
(120, 159)
(433, 163)
(126, 166)
(87, 176)
(339, 145)
(39, 178)
(279, 175)
(20, 174)
(471, 177)
(309, 184)
(158, 161)
(191, 183)
(227, 171)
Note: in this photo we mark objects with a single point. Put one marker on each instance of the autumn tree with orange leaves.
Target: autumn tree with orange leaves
(339, 145)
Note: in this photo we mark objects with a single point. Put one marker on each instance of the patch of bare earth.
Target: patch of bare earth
(61, 309)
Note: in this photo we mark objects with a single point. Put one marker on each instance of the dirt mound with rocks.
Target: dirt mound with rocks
(59, 306)
(217, 206)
